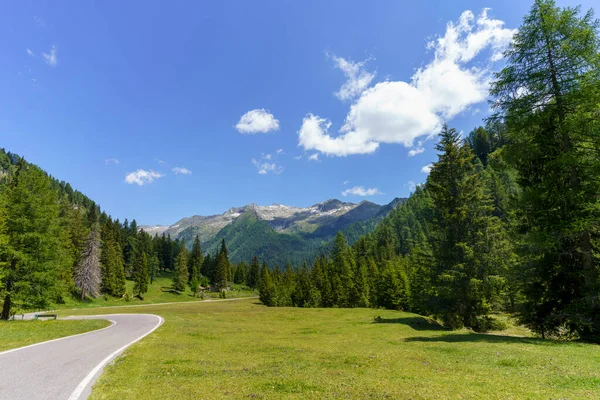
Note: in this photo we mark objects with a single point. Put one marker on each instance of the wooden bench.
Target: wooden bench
(38, 316)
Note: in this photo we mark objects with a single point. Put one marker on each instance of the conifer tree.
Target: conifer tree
(241, 271)
(466, 237)
(88, 274)
(180, 274)
(547, 96)
(196, 260)
(140, 275)
(254, 273)
(222, 267)
(266, 287)
(30, 252)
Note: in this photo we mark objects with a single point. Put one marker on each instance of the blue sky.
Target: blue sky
(344, 89)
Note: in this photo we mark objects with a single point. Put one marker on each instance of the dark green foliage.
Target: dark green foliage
(222, 268)
(253, 273)
(195, 262)
(241, 273)
(467, 237)
(140, 275)
(266, 287)
(180, 274)
(30, 247)
(548, 96)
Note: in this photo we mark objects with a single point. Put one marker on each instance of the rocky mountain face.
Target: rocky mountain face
(278, 233)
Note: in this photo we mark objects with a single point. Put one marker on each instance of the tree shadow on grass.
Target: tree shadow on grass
(167, 289)
(417, 323)
(485, 338)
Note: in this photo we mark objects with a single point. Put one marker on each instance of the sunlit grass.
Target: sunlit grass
(158, 292)
(19, 333)
(243, 350)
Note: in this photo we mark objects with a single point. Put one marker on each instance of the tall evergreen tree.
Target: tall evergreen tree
(548, 96)
(466, 237)
(254, 273)
(140, 275)
(222, 267)
(30, 251)
(195, 262)
(180, 275)
(266, 287)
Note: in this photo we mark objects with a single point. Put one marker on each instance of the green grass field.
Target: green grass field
(17, 333)
(158, 292)
(243, 350)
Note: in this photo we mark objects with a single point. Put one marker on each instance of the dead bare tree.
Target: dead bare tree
(88, 274)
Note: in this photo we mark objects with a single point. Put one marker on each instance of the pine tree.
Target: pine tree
(266, 287)
(241, 271)
(548, 96)
(111, 261)
(30, 252)
(254, 273)
(88, 274)
(221, 272)
(466, 234)
(196, 260)
(140, 275)
(180, 275)
(393, 289)
(340, 272)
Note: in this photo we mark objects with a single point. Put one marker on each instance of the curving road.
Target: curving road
(66, 368)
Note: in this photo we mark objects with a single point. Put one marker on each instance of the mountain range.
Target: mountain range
(278, 233)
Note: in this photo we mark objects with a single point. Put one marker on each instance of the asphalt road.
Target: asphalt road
(67, 368)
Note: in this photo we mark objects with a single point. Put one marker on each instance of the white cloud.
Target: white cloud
(111, 161)
(181, 170)
(257, 121)
(415, 151)
(279, 151)
(400, 112)
(160, 161)
(411, 186)
(31, 53)
(361, 191)
(346, 182)
(142, 177)
(264, 167)
(314, 135)
(358, 78)
(51, 58)
(314, 157)
(427, 168)
(299, 157)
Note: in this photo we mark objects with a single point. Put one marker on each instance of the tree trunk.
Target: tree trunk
(6, 308)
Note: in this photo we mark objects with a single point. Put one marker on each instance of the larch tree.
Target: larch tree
(548, 96)
(30, 247)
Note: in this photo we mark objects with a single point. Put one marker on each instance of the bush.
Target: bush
(487, 323)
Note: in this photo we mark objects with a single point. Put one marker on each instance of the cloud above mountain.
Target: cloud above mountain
(401, 111)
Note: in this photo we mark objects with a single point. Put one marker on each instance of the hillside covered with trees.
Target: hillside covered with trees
(509, 217)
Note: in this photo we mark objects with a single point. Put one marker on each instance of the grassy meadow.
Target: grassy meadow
(18, 333)
(243, 350)
(158, 292)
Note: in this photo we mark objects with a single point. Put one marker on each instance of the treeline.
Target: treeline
(56, 242)
(509, 217)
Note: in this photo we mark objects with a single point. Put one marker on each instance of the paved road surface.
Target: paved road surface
(67, 368)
